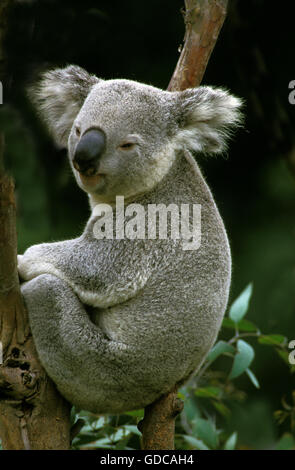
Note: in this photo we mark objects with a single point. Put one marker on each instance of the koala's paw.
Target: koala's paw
(37, 260)
(28, 264)
(22, 267)
(19, 259)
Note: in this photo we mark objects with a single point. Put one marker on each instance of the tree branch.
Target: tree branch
(203, 21)
(158, 424)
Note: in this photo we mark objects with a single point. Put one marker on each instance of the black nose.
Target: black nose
(88, 151)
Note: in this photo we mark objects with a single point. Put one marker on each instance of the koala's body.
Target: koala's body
(119, 322)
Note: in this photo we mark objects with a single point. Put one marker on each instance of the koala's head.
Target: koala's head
(123, 136)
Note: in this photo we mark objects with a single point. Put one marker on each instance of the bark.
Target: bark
(158, 424)
(203, 22)
(32, 413)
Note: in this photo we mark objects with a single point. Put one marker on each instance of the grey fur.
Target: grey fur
(59, 97)
(117, 323)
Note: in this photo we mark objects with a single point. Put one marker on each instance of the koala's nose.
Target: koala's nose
(88, 151)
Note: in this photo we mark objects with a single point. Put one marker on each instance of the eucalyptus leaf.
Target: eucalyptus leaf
(243, 359)
(272, 340)
(136, 413)
(191, 410)
(231, 442)
(196, 443)
(222, 409)
(131, 428)
(283, 355)
(243, 325)
(219, 348)
(205, 430)
(241, 304)
(208, 392)
(253, 378)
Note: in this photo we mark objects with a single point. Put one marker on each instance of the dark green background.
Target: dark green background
(253, 185)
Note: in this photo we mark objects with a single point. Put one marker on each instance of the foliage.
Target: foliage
(208, 397)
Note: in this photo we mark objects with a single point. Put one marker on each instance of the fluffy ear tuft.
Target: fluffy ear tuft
(58, 97)
(207, 117)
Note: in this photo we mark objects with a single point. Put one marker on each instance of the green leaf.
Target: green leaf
(220, 348)
(136, 413)
(222, 409)
(121, 445)
(246, 325)
(253, 378)
(205, 430)
(100, 444)
(243, 325)
(132, 428)
(228, 323)
(196, 443)
(116, 436)
(240, 305)
(231, 442)
(181, 395)
(242, 359)
(208, 392)
(93, 426)
(283, 355)
(286, 442)
(191, 410)
(86, 438)
(272, 340)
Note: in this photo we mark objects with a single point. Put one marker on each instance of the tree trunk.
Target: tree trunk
(33, 415)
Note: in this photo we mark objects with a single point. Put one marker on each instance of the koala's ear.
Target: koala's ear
(206, 118)
(58, 97)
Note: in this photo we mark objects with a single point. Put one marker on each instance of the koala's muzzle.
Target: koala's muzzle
(89, 151)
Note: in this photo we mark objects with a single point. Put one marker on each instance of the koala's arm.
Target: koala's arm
(102, 273)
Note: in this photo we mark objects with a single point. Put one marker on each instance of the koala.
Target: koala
(118, 322)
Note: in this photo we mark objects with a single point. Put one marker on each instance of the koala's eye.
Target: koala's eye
(127, 145)
(78, 131)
